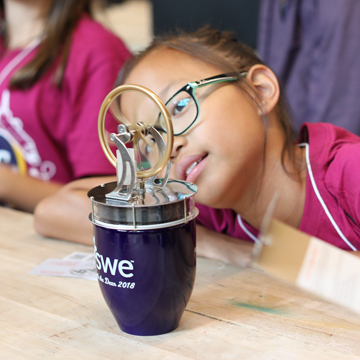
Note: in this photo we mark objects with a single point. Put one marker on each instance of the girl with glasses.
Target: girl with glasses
(234, 140)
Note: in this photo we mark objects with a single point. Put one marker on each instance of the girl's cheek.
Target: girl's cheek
(173, 170)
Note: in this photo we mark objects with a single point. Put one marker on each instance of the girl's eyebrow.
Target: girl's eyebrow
(170, 88)
(165, 90)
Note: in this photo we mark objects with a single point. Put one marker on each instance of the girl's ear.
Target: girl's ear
(266, 86)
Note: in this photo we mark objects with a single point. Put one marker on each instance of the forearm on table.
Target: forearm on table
(65, 215)
(23, 192)
(222, 247)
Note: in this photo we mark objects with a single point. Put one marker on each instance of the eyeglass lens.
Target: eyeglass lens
(183, 111)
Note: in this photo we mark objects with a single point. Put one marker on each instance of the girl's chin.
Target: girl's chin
(216, 195)
(203, 198)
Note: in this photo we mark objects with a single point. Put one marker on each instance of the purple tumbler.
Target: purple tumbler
(144, 236)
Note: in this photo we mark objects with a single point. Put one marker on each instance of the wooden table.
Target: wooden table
(232, 314)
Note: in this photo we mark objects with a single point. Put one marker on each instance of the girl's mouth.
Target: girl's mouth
(190, 168)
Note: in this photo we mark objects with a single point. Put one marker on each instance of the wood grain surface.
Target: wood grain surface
(232, 314)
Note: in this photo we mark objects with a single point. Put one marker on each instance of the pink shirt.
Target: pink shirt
(334, 159)
(51, 133)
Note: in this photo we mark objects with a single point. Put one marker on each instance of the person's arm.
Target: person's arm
(23, 192)
(65, 214)
(217, 246)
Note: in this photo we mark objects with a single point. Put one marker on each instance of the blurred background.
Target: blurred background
(136, 21)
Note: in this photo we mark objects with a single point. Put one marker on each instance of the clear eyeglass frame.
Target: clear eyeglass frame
(190, 88)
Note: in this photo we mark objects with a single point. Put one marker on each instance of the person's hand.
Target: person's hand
(65, 214)
(22, 191)
(222, 247)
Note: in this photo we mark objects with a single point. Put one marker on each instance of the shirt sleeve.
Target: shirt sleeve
(343, 181)
(89, 82)
(224, 221)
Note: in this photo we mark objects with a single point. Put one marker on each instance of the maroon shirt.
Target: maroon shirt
(51, 133)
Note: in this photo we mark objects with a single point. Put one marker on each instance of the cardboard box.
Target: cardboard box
(310, 263)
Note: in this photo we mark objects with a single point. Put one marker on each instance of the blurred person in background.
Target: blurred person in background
(313, 47)
(57, 65)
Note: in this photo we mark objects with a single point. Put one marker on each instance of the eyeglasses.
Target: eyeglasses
(184, 107)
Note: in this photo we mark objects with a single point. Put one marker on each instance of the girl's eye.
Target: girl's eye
(180, 105)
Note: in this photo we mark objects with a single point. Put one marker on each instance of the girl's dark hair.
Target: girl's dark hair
(62, 18)
(224, 51)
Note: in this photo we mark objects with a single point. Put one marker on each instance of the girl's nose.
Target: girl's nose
(179, 143)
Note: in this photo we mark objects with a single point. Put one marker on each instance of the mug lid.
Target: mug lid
(166, 206)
